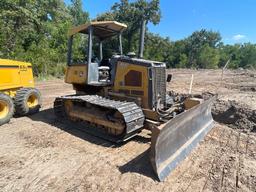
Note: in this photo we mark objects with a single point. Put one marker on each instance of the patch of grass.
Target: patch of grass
(47, 77)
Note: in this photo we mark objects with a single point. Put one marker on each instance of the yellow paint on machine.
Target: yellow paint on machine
(122, 70)
(14, 75)
(76, 74)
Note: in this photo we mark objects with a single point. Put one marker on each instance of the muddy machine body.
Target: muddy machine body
(122, 95)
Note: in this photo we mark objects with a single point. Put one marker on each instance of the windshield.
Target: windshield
(78, 48)
(110, 47)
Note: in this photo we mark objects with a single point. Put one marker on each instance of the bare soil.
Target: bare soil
(38, 153)
(235, 115)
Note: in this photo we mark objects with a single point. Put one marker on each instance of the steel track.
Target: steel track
(132, 114)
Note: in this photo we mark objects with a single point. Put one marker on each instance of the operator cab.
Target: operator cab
(98, 68)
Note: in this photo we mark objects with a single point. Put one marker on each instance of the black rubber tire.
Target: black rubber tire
(21, 99)
(8, 100)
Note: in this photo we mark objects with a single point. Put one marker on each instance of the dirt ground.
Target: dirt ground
(38, 153)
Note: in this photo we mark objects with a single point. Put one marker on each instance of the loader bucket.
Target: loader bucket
(173, 141)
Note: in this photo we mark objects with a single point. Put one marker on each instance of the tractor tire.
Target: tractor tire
(27, 101)
(6, 108)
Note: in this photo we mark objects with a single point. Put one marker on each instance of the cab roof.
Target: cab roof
(101, 29)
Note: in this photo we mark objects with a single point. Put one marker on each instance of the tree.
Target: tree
(183, 60)
(231, 52)
(208, 57)
(248, 55)
(198, 40)
(35, 31)
(178, 55)
(132, 13)
(77, 13)
(157, 48)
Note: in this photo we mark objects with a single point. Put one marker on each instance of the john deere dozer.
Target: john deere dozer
(121, 95)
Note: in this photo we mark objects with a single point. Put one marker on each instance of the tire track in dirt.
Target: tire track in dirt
(227, 173)
(209, 174)
(211, 181)
(195, 175)
(245, 164)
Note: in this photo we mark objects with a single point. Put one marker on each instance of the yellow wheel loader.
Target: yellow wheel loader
(17, 92)
(117, 97)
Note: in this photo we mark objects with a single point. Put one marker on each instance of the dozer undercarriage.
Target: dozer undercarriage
(122, 95)
(120, 120)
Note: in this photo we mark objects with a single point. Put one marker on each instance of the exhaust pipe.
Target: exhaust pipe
(142, 37)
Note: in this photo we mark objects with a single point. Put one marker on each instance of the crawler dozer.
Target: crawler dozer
(18, 94)
(119, 96)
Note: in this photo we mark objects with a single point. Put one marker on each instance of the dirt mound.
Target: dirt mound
(235, 115)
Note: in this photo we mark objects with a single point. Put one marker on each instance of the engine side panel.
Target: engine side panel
(132, 80)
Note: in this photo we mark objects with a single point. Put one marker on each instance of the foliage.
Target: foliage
(77, 13)
(154, 44)
(132, 13)
(36, 31)
(208, 57)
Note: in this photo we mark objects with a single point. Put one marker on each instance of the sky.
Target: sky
(234, 19)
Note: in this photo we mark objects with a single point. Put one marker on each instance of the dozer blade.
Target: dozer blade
(173, 141)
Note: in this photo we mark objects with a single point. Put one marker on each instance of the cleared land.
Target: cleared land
(38, 153)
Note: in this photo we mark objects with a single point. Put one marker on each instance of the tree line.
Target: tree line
(36, 31)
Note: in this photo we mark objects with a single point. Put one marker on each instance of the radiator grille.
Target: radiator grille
(159, 83)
